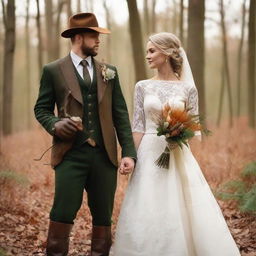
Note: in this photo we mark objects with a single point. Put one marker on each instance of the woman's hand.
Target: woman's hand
(126, 165)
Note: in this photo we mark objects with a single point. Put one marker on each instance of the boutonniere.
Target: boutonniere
(107, 73)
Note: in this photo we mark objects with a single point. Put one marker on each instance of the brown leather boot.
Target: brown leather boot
(101, 240)
(58, 239)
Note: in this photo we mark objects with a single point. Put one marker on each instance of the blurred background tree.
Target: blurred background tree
(251, 62)
(8, 17)
(196, 47)
(219, 37)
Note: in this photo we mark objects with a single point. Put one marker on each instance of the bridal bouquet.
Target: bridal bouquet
(177, 125)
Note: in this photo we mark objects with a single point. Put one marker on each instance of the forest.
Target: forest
(219, 37)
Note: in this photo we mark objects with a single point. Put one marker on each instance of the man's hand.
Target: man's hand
(126, 165)
(66, 128)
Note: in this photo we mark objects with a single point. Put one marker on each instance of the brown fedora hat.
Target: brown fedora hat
(82, 22)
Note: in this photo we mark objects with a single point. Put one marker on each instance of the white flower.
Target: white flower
(107, 73)
(166, 124)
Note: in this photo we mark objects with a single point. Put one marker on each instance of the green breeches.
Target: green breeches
(84, 168)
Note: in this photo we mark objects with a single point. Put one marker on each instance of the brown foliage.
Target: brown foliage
(24, 209)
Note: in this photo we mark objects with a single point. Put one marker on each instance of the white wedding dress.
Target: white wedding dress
(168, 212)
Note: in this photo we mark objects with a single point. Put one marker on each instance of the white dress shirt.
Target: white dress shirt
(77, 63)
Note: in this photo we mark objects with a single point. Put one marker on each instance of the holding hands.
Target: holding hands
(126, 166)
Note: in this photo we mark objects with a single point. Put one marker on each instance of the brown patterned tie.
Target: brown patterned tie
(86, 74)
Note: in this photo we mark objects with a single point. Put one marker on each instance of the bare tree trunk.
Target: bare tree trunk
(28, 82)
(221, 93)
(69, 9)
(108, 26)
(53, 21)
(56, 44)
(1, 81)
(50, 37)
(167, 20)
(153, 17)
(9, 49)
(196, 46)
(226, 65)
(174, 17)
(251, 62)
(69, 13)
(181, 30)
(239, 60)
(146, 17)
(136, 40)
(39, 37)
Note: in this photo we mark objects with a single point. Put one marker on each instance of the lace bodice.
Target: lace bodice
(151, 95)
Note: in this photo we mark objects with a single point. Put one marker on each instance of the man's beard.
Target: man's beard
(88, 51)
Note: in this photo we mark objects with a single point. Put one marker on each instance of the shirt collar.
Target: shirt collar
(77, 59)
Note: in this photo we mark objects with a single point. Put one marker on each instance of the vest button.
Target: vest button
(89, 113)
(89, 96)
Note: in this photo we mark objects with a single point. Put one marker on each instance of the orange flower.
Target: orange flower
(165, 111)
(181, 116)
(178, 116)
(168, 118)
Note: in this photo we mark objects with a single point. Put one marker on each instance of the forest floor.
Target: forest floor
(26, 192)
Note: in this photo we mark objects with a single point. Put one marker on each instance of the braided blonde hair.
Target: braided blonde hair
(169, 44)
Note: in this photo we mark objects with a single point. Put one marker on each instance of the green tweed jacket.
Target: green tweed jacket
(59, 87)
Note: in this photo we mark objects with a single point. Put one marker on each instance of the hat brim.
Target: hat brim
(73, 31)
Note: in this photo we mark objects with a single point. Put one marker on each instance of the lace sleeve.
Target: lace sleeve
(138, 113)
(193, 104)
(193, 101)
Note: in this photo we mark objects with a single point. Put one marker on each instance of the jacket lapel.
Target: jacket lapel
(67, 69)
(101, 85)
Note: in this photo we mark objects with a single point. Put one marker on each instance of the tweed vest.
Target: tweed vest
(91, 120)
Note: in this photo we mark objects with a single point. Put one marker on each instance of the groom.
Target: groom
(91, 112)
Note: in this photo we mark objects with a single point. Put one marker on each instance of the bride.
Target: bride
(168, 212)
